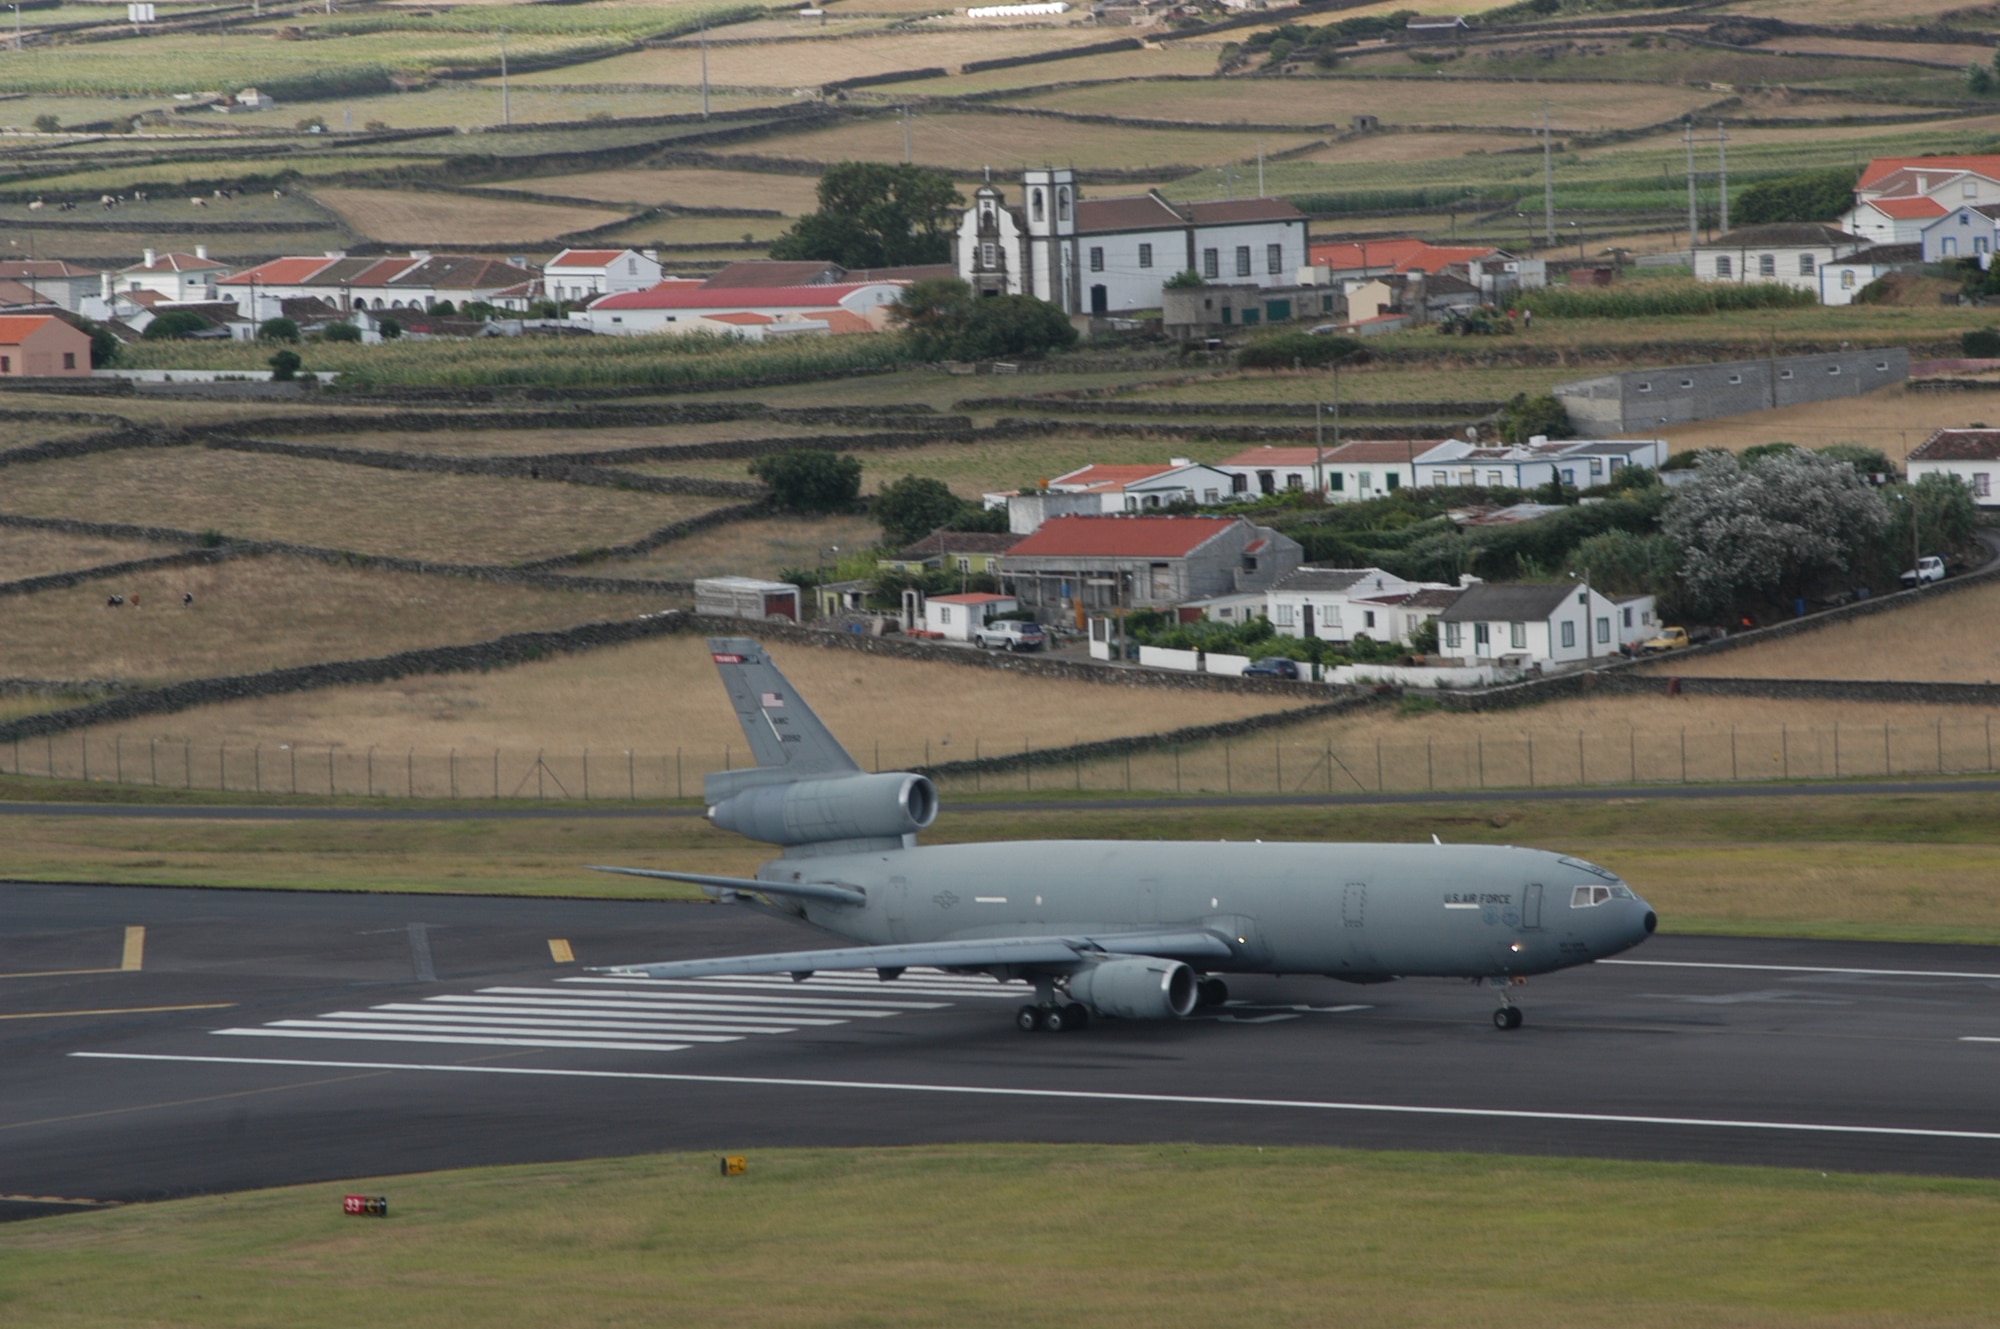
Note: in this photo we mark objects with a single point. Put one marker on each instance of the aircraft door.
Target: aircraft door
(1531, 906)
(1354, 925)
(1354, 905)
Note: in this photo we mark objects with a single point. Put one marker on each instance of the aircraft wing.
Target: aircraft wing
(976, 953)
(830, 892)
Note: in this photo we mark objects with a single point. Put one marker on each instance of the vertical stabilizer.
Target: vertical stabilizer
(782, 730)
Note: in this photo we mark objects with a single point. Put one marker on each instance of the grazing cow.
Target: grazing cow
(67, 207)
(109, 202)
(187, 599)
(114, 602)
(199, 202)
(37, 206)
(139, 196)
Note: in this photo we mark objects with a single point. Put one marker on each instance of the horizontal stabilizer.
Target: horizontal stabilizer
(1061, 953)
(802, 890)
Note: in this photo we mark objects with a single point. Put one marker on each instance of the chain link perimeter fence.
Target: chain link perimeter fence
(1489, 757)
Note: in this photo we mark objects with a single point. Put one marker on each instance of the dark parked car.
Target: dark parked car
(1272, 666)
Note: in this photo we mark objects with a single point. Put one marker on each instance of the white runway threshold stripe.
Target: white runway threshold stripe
(1088, 1096)
(610, 1014)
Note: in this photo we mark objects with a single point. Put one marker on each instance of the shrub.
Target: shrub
(390, 329)
(1524, 417)
(1284, 349)
(47, 124)
(285, 366)
(278, 329)
(1982, 343)
(1186, 279)
(943, 320)
(342, 332)
(1811, 196)
(174, 324)
(913, 507)
(1660, 299)
(810, 479)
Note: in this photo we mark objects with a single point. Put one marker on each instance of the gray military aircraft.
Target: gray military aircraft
(1133, 929)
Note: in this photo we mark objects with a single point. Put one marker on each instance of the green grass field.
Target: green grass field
(1036, 1235)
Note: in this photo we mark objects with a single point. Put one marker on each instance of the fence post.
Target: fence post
(118, 758)
(1228, 777)
(293, 748)
(975, 766)
(1989, 744)
(496, 773)
(586, 773)
(1582, 775)
(187, 763)
(1378, 766)
(1430, 766)
(1632, 753)
(1531, 758)
(1278, 756)
(371, 770)
(451, 773)
(83, 747)
(1479, 739)
(679, 786)
(1027, 771)
(1326, 761)
(540, 793)
(1888, 762)
(1128, 768)
(1940, 746)
(1836, 749)
(1684, 754)
(1785, 746)
(632, 778)
(1177, 768)
(329, 770)
(1732, 752)
(410, 775)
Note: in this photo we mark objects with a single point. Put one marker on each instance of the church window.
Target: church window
(1243, 260)
(1097, 258)
(1035, 204)
(1062, 204)
(1211, 265)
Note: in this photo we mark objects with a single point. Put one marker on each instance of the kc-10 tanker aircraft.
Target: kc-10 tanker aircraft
(1132, 929)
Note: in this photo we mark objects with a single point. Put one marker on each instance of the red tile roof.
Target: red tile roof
(746, 319)
(280, 271)
(683, 295)
(1121, 537)
(1099, 474)
(17, 328)
(1139, 213)
(1228, 211)
(584, 258)
(1375, 450)
(1397, 254)
(1274, 457)
(20, 293)
(176, 263)
(1959, 445)
(1988, 166)
(22, 268)
(775, 272)
(1908, 207)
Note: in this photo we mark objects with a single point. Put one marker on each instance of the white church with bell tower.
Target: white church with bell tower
(1103, 256)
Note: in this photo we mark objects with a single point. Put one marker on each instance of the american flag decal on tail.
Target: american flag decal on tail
(771, 699)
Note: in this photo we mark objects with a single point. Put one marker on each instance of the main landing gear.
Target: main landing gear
(1051, 1019)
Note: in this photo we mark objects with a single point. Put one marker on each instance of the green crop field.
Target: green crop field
(1037, 1235)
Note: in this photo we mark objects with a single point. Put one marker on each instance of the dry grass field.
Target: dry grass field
(661, 697)
(1412, 147)
(1890, 419)
(972, 469)
(694, 188)
(26, 553)
(447, 518)
(1399, 101)
(1008, 142)
(266, 613)
(1950, 639)
(808, 64)
(398, 216)
(527, 442)
(468, 104)
(1195, 59)
(1377, 382)
(764, 547)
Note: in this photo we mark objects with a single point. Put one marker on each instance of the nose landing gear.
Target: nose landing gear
(1509, 1015)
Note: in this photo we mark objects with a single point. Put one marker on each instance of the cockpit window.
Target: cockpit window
(1621, 892)
(1591, 868)
(1583, 897)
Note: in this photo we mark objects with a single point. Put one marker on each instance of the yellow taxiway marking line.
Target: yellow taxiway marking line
(120, 1010)
(131, 962)
(560, 952)
(59, 1199)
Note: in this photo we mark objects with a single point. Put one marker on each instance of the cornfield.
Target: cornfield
(1660, 299)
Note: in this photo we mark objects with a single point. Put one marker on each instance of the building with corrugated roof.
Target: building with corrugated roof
(1073, 566)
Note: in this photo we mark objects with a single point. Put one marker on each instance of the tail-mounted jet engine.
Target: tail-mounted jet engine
(850, 807)
(1139, 988)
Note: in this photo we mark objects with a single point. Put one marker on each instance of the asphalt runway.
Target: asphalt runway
(160, 1042)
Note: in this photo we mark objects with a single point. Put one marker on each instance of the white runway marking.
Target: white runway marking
(1803, 969)
(610, 1014)
(1092, 1096)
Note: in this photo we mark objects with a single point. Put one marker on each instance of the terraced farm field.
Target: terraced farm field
(1008, 142)
(409, 217)
(32, 553)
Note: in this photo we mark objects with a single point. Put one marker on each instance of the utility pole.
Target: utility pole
(704, 69)
(906, 133)
(1694, 237)
(506, 99)
(1319, 454)
(1722, 172)
(1548, 180)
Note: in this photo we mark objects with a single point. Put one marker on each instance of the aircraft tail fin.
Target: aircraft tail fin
(785, 737)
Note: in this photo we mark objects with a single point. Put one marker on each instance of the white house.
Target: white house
(1142, 487)
(1787, 253)
(175, 276)
(1109, 255)
(1895, 198)
(959, 616)
(1529, 624)
(56, 281)
(683, 307)
(417, 280)
(1270, 470)
(1578, 463)
(1327, 603)
(1350, 473)
(1973, 455)
(583, 274)
(1964, 232)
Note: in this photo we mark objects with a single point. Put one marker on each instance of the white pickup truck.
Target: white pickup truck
(1928, 569)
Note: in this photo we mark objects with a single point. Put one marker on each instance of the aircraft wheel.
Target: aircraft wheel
(1075, 1016)
(1028, 1019)
(1056, 1019)
(1507, 1017)
(1213, 992)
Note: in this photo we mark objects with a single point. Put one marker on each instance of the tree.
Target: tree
(389, 328)
(285, 366)
(1978, 80)
(913, 507)
(278, 329)
(47, 124)
(1772, 528)
(1627, 563)
(1864, 459)
(342, 332)
(1945, 515)
(173, 324)
(1811, 196)
(875, 215)
(103, 344)
(1980, 343)
(1184, 280)
(810, 479)
(943, 320)
(1524, 417)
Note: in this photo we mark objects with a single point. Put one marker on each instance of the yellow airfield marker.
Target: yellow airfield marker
(560, 952)
(120, 1010)
(135, 950)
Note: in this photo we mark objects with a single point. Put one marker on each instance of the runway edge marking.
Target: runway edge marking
(1801, 969)
(1083, 1095)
